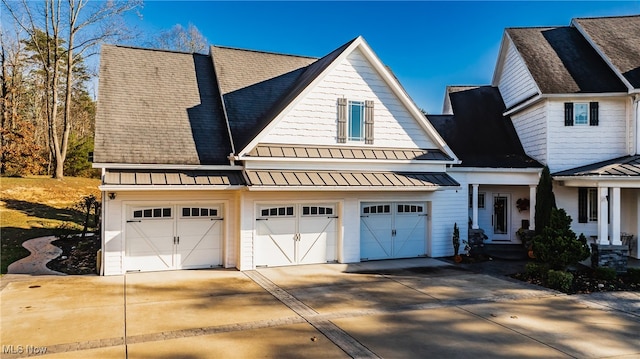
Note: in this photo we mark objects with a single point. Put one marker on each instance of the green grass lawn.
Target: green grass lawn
(32, 207)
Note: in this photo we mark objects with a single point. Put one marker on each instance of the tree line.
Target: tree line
(47, 110)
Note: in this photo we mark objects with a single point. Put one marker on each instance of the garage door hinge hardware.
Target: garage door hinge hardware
(363, 216)
(176, 240)
(333, 217)
(393, 232)
(217, 219)
(262, 219)
(134, 220)
(423, 215)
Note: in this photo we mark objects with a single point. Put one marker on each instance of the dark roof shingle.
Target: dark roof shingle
(618, 38)
(159, 107)
(478, 133)
(561, 61)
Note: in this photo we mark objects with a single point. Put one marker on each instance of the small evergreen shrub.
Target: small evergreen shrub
(605, 273)
(535, 269)
(558, 245)
(559, 280)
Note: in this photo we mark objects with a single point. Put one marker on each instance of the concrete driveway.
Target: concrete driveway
(390, 309)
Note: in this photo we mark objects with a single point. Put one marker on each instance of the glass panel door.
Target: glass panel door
(501, 217)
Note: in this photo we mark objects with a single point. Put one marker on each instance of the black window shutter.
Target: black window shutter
(593, 113)
(568, 113)
(342, 120)
(368, 122)
(582, 205)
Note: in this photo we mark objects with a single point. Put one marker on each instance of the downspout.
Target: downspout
(102, 224)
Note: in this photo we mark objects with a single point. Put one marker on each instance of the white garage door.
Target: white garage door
(295, 234)
(173, 237)
(392, 230)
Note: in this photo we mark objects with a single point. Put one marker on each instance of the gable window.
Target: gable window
(581, 113)
(480, 200)
(355, 121)
(587, 205)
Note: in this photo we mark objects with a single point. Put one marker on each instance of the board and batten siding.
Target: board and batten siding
(579, 145)
(531, 128)
(314, 119)
(515, 82)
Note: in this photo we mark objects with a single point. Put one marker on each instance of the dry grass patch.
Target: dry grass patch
(32, 207)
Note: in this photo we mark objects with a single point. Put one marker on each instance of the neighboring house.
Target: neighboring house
(245, 159)
(571, 94)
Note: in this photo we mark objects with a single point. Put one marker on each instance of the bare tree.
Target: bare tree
(180, 39)
(62, 32)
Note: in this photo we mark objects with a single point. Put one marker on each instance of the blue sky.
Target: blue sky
(427, 44)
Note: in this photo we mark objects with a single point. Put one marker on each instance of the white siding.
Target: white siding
(515, 82)
(531, 126)
(447, 208)
(314, 118)
(574, 146)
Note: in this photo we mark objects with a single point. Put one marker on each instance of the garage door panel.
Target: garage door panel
(274, 241)
(173, 236)
(200, 243)
(392, 230)
(292, 234)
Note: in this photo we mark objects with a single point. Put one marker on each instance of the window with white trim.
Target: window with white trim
(316, 210)
(152, 213)
(286, 211)
(587, 205)
(356, 121)
(581, 113)
(199, 212)
(377, 209)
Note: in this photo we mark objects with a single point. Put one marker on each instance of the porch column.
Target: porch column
(532, 207)
(474, 206)
(615, 216)
(603, 215)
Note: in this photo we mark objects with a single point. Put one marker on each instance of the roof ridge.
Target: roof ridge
(605, 17)
(264, 52)
(154, 49)
(534, 27)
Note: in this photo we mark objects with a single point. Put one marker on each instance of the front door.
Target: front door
(501, 214)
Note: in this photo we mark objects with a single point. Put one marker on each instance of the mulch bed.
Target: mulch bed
(78, 255)
(585, 281)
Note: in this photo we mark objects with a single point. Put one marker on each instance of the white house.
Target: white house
(570, 94)
(245, 159)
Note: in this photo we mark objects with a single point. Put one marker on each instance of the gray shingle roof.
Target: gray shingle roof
(390, 180)
(158, 107)
(627, 166)
(561, 61)
(268, 83)
(346, 152)
(478, 133)
(619, 39)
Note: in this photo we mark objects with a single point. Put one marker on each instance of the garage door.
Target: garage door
(392, 230)
(173, 237)
(295, 234)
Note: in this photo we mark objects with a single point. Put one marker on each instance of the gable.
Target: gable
(512, 76)
(313, 119)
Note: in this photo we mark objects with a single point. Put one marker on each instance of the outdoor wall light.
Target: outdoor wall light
(112, 195)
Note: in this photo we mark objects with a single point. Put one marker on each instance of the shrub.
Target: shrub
(557, 245)
(535, 269)
(605, 273)
(559, 280)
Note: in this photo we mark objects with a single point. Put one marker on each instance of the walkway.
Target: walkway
(42, 252)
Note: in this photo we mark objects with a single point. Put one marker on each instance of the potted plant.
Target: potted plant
(456, 243)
